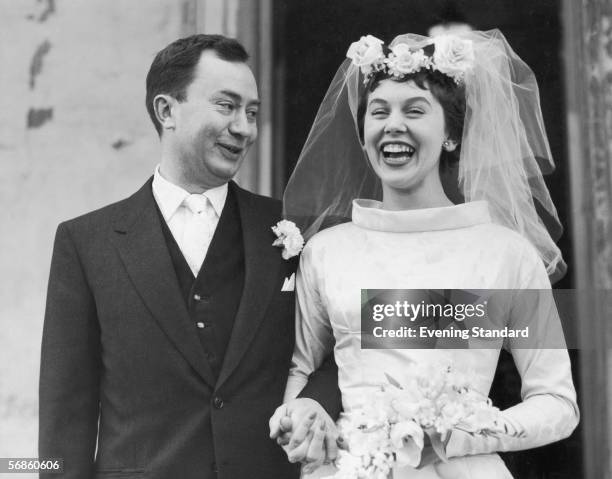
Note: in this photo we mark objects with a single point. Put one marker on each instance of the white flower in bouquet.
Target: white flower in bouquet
(407, 408)
(364, 442)
(407, 437)
(451, 414)
(349, 466)
(390, 428)
(382, 462)
(380, 408)
(479, 418)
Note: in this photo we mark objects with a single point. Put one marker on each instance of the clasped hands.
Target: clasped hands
(308, 435)
(306, 432)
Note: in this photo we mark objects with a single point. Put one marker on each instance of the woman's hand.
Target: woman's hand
(306, 432)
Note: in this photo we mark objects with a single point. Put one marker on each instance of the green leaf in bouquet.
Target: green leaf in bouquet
(394, 382)
(437, 444)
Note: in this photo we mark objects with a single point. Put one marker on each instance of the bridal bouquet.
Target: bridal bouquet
(390, 428)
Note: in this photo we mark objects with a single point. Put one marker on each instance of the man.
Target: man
(169, 324)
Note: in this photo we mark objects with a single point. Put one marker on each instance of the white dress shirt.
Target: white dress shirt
(193, 228)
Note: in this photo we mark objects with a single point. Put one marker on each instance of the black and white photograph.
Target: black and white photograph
(306, 239)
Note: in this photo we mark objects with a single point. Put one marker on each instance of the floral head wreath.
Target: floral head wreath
(452, 56)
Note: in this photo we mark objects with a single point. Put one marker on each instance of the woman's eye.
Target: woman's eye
(415, 111)
(378, 112)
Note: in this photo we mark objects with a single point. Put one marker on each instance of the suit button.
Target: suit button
(214, 467)
(197, 297)
(200, 325)
(218, 402)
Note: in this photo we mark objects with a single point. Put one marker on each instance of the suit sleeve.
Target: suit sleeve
(313, 373)
(70, 365)
(322, 386)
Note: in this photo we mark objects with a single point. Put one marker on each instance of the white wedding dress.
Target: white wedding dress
(456, 247)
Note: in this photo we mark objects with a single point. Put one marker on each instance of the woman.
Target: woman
(412, 109)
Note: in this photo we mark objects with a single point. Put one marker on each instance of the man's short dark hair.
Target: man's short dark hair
(173, 68)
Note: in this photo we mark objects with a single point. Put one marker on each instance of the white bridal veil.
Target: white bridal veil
(504, 149)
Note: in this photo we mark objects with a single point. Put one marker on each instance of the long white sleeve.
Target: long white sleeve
(548, 411)
(313, 333)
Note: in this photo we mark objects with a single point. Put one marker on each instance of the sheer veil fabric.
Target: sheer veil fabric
(504, 149)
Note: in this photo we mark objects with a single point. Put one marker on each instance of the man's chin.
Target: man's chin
(226, 172)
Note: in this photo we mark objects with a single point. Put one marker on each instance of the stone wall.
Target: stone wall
(74, 136)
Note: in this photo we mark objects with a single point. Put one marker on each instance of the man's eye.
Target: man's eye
(252, 114)
(226, 106)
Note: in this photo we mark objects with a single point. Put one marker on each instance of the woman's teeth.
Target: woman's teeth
(397, 151)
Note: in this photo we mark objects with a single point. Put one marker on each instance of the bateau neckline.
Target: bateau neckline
(369, 214)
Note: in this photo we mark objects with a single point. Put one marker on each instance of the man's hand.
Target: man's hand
(306, 432)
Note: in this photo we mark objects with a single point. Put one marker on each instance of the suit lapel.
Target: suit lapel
(139, 239)
(262, 262)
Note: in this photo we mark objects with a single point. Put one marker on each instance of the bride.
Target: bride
(372, 184)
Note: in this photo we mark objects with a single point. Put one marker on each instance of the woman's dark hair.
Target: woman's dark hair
(444, 89)
(173, 68)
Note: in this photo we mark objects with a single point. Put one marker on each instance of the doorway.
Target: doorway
(311, 38)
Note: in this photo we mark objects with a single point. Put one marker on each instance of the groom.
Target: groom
(170, 316)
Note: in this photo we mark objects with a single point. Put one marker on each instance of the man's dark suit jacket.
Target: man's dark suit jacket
(125, 387)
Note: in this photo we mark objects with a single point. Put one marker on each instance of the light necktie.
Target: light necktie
(199, 229)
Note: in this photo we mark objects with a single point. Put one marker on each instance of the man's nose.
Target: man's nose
(240, 125)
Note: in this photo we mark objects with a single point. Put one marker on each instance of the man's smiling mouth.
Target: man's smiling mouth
(233, 150)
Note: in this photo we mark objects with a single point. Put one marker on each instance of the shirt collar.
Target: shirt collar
(169, 196)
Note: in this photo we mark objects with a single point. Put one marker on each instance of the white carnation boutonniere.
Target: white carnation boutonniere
(453, 56)
(367, 54)
(289, 238)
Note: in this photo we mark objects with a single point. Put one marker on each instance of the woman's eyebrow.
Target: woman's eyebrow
(417, 99)
(377, 100)
(407, 101)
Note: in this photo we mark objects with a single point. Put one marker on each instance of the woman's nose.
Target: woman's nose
(396, 123)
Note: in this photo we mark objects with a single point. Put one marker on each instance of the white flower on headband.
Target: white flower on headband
(402, 60)
(367, 54)
(453, 56)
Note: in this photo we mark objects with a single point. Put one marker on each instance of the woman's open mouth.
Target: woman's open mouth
(397, 153)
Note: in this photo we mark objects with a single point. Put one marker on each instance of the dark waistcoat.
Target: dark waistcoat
(214, 296)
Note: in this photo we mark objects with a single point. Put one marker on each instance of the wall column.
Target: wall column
(588, 55)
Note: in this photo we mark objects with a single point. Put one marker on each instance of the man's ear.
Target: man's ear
(163, 106)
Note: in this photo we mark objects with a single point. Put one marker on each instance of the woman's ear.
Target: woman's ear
(449, 145)
(163, 106)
